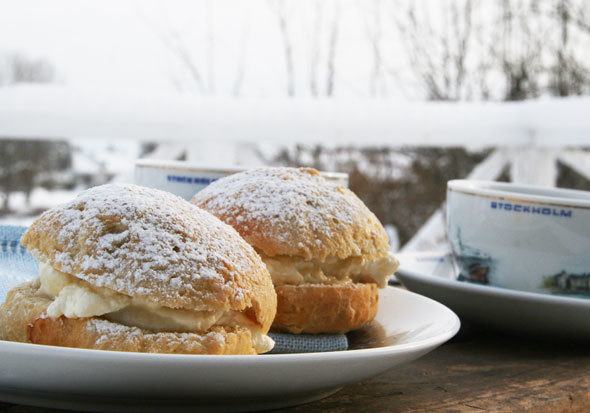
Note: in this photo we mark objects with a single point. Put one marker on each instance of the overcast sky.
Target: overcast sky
(237, 47)
(117, 44)
(91, 43)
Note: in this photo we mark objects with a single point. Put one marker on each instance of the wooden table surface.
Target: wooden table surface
(479, 370)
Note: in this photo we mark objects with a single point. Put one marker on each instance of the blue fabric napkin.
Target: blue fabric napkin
(18, 266)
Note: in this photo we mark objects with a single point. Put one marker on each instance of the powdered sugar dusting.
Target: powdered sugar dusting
(286, 199)
(141, 241)
(285, 195)
(107, 331)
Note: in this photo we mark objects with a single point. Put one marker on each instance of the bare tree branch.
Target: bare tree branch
(568, 76)
(332, 46)
(280, 9)
(210, 48)
(518, 48)
(241, 63)
(374, 30)
(316, 48)
(174, 43)
(438, 56)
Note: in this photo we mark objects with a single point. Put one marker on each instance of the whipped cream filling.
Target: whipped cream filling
(294, 271)
(74, 298)
(261, 342)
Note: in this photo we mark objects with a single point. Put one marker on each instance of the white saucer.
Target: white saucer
(407, 327)
(434, 276)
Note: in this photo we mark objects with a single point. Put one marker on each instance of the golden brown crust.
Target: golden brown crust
(325, 308)
(23, 305)
(151, 244)
(21, 320)
(98, 334)
(295, 212)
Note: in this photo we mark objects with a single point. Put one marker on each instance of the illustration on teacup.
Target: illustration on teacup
(568, 283)
(474, 265)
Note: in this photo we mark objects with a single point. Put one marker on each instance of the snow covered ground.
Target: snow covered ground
(95, 156)
(41, 199)
(90, 157)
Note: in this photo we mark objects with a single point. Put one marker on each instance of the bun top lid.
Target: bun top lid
(295, 212)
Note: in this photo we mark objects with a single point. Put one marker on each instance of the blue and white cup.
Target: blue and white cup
(185, 179)
(520, 237)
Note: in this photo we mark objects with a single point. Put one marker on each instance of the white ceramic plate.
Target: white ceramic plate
(434, 276)
(407, 326)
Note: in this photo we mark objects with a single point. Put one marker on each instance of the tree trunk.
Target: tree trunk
(331, 69)
(5, 206)
(28, 197)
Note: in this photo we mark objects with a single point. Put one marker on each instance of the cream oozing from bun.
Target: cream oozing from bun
(74, 298)
(294, 270)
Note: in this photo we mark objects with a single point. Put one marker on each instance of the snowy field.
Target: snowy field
(90, 158)
(41, 199)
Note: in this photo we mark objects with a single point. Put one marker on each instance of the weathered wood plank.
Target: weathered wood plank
(478, 371)
(534, 165)
(577, 160)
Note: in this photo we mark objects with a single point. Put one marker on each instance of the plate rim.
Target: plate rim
(488, 290)
(427, 343)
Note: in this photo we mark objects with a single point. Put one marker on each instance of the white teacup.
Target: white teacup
(521, 237)
(185, 179)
